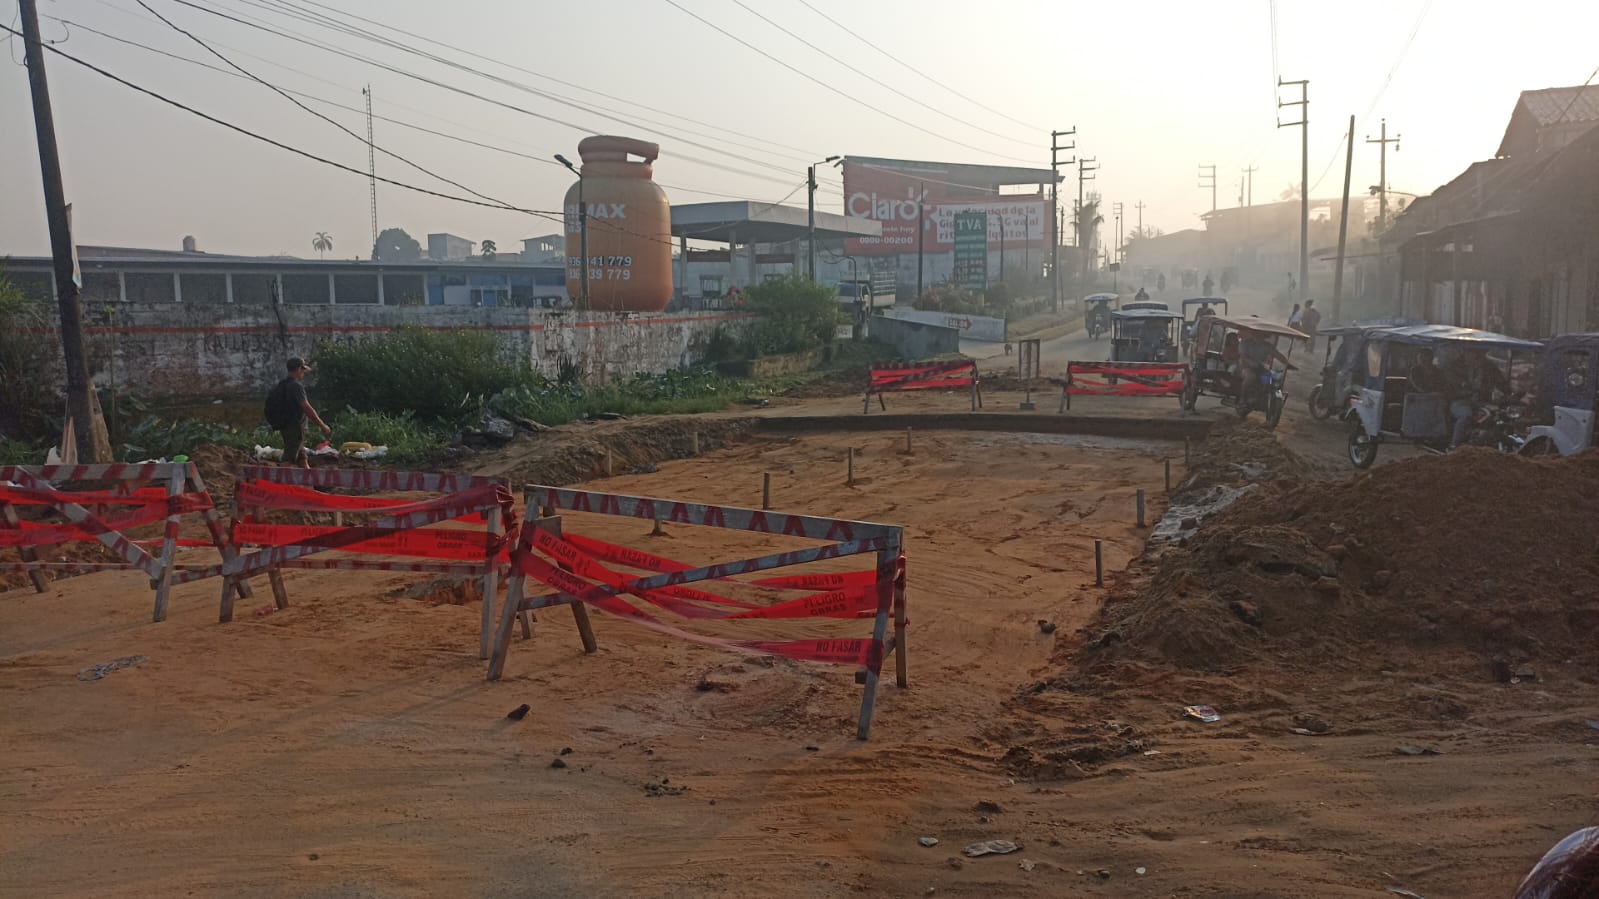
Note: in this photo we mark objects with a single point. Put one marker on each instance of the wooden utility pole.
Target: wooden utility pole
(1085, 172)
(1055, 162)
(1343, 229)
(1209, 171)
(1304, 178)
(1382, 173)
(83, 408)
(1248, 199)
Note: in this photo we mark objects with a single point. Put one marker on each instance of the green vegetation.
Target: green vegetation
(794, 314)
(439, 376)
(29, 407)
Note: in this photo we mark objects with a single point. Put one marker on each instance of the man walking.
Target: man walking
(1309, 321)
(287, 411)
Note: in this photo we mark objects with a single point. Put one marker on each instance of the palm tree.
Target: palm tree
(489, 249)
(1087, 223)
(322, 243)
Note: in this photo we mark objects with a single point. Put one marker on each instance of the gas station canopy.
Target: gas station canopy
(747, 222)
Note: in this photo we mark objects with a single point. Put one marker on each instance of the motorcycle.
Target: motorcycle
(1498, 428)
(1266, 395)
(1326, 401)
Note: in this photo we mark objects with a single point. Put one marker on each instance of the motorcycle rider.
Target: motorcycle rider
(1472, 381)
(1142, 296)
(1255, 356)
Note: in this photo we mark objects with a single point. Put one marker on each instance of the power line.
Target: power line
(874, 79)
(1577, 93)
(275, 89)
(1415, 29)
(544, 160)
(846, 29)
(572, 84)
(846, 95)
(312, 42)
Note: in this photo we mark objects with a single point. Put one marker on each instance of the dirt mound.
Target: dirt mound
(218, 465)
(1475, 555)
(578, 452)
(1241, 451)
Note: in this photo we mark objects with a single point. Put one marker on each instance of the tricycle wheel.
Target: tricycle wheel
(1318, 410)
(1274, 412)
(1362, 447)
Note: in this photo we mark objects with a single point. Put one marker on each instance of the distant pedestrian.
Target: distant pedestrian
(1205, 288)
(1310, 320)
(1295, 318)
(287, 411)
(1160, 283)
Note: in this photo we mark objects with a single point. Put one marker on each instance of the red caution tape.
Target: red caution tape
(144, 496)
(1130, 378)
(837, 652)
(30, 533)
(637, 558)
(925, 376)
(427, 543)
(294, 498)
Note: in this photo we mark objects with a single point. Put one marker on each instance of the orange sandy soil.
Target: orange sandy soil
(349, 746)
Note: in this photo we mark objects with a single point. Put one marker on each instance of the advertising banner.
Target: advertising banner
(971, 250)
(899, 198)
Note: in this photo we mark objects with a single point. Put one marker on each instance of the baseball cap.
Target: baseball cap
(296, 363)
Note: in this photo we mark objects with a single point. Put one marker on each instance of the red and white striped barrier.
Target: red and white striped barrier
(92, 516)
(923, 376)
(576, 570)
(401, 530)
(1122, 379)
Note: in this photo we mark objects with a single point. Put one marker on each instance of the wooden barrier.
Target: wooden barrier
(89, 518)
(402, 530)
(923, 376)
(1122, 379)
(575, 569)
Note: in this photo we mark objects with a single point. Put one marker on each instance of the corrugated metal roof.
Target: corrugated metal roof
(1547, 106)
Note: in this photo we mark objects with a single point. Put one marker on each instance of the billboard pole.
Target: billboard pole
(921, 234)
(1055, 162)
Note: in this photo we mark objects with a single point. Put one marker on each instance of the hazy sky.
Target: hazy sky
(1154, 88)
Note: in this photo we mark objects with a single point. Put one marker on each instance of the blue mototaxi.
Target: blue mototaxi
(1568, 377)
(1346, 347)
(1385, 407)
(1097, 308)
(1191, 308)
(1144, 332)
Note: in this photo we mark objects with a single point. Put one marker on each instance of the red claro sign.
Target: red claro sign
(894, 197)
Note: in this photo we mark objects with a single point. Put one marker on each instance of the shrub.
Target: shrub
(29, 406)
(794, 314)
(437, 375)
(948, 298)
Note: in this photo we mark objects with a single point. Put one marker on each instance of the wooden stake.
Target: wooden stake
(1168, 475)
(849, 479)
(1140, 507)
(1185, 453)
(908, 449)
(766, 490)
(610, 465)
(694, 443)
(657, 532)
(1099, 563)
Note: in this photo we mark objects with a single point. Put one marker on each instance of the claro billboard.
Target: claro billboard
(894, 196)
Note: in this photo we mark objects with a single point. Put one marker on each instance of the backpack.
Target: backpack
(281, 410)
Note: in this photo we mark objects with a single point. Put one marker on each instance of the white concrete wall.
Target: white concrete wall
(172, 350)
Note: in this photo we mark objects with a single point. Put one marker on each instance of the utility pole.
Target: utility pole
(1304, 178)
(1382, 173)
(1085, 172)
(1055, 162)
(921, 234)
(1117, 209)
(810, 207)
(1211, 175)
(1140, 207)
(83, 407)
(1343, 227)
(372, 169)
(1248, 199)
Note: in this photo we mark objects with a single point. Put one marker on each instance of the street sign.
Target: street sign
(971, 250)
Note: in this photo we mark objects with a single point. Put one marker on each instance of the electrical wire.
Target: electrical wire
(912, 68)
(284, 8)
(280, 92)
(1577, 93)
(842, 93)
(312, 42)
(545, 159)
(874, 79)
(572, 84)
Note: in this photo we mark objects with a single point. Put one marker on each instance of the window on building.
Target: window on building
(101, 287)
(204, 288)
(355, 289)
(491, 296)
(403, 290)
(711, 286)
(312, 289)
(151, 287)
(255, 289)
